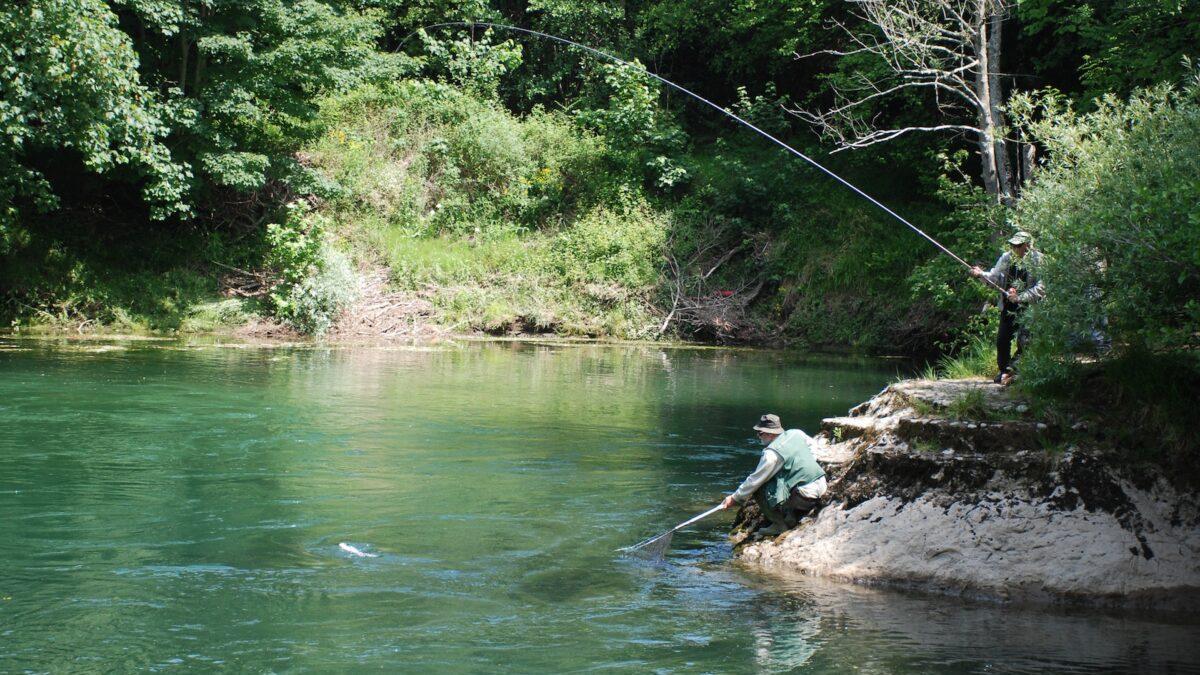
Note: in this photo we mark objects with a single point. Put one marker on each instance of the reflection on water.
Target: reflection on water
(165, 506)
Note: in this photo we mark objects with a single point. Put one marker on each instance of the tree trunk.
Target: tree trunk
(201, 57)
(185, 49)
(987, 145)
(995, 89)
(201, 62)
(1028, 157)
(993, 150)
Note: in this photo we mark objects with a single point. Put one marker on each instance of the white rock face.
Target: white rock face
(1008, 536)
(1012, 548)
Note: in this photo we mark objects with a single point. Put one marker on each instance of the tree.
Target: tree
(947, 50)
(1095, 47)
(244, 76)
(70, 90)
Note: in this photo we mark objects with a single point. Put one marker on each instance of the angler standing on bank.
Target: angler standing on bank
(1016, 271)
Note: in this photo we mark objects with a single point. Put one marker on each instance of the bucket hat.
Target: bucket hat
(769, 424)
(1021, 237)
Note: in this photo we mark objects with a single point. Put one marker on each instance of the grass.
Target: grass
(497, 229)
(970, 406)
(977, 359)
(453, 261)
(506, 283)
(91, 296)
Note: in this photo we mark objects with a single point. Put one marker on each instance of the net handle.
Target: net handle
(675, 529)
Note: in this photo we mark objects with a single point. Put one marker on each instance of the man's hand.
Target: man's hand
(728, 502)
(1012, 295)
(977, 272)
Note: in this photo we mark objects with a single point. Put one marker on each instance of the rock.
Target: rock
(991, 514)
(1022, 408)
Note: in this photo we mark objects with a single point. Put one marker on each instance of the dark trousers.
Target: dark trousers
(789, 513)
(1004, 338)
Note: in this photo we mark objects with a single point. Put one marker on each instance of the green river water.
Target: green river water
(167, 507)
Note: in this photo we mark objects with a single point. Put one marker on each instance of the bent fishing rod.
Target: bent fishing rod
(814, 163)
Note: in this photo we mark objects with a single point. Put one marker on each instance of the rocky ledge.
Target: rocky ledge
(956, 487)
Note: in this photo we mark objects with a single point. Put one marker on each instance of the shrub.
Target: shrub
(1116, 214)
(977, 358)
(622, 247)
(312, 304)
(430, 159)
(315, 280)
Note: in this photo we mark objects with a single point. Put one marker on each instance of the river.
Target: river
(167, 506)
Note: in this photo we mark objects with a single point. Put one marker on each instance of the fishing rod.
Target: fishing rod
(605, 55)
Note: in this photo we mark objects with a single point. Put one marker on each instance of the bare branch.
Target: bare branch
(948, 49)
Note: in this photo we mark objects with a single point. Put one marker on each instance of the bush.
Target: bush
(430, 159)
(977, 358)
(622, 247)
(315, 280)
(312, 304)
(1116, 213)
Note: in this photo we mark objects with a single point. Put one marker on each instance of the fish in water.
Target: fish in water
(354, 551)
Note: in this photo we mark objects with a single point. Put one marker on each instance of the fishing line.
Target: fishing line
(714, 106)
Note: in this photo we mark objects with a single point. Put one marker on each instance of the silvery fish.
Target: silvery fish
(350, 549)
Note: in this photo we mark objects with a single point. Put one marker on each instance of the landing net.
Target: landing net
(652, 549)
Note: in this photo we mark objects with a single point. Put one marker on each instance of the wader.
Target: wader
(779, 498)
(789, 512)
(1010, 312)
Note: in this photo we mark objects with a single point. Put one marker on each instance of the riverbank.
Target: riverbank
(964, 488)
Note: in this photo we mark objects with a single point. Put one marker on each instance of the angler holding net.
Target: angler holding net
(787, 483)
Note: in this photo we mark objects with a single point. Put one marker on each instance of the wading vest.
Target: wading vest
(798, 468)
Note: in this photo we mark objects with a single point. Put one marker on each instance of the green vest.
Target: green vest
(799, 467)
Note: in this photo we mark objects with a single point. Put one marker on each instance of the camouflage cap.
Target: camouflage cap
(1021, 237)
(769, 424)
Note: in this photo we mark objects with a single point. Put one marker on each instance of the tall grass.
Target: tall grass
(977, 359)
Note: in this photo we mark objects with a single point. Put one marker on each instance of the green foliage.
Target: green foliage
(1116, 214)
(294, 246)
(969, 406)
(643, 135)
(85, 279)
(311, 304)
(969, 229)
(431, 159)
(1153, 395)
(491, 215)
(622, 247)
(765, 111)
(100, 88)
(1113, 45)
(248, 74)
(316, 281)
(474, 65)
(541, 186)
(975, 358)
(69, 82)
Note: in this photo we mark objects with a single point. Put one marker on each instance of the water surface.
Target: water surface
(169, 507)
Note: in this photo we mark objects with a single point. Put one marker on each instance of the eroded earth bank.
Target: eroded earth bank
(956, 487)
